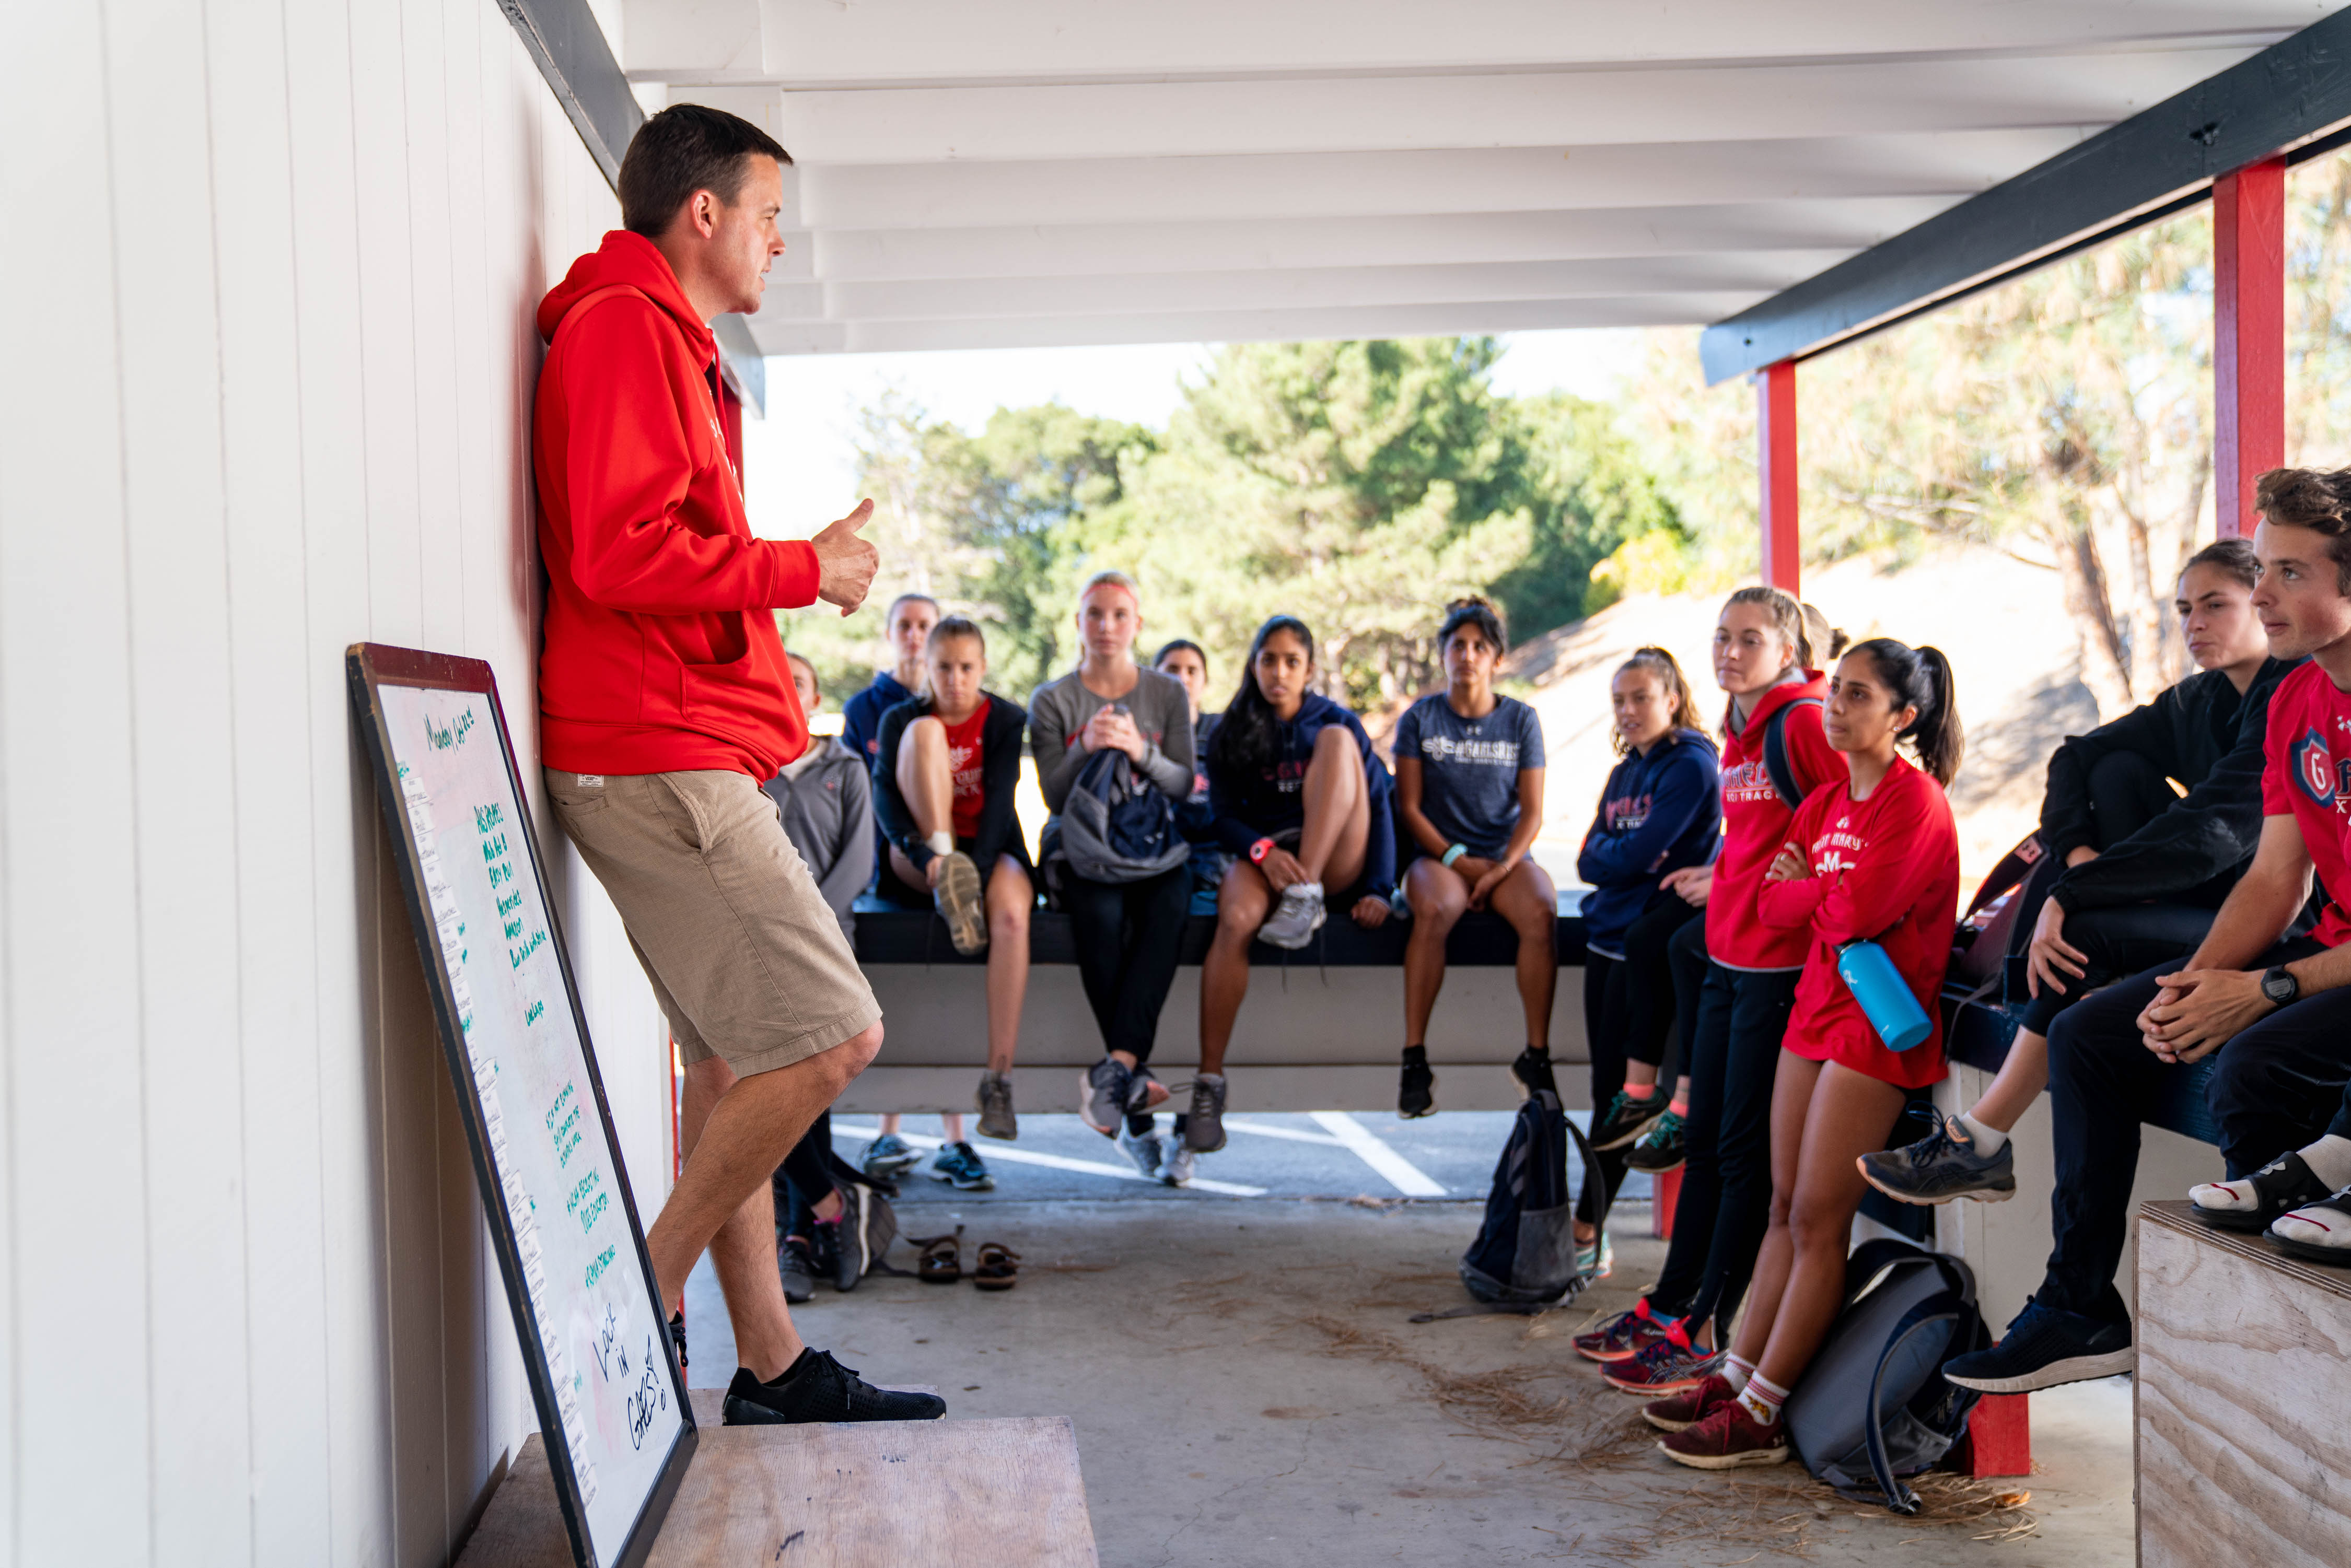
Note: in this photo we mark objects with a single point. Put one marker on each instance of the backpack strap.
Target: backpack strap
(1898, 1496)
(1776, 761)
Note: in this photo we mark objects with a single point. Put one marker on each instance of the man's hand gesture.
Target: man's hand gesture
(845, 564)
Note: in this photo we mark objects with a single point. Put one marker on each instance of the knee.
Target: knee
(1335, 740)
(856, 1054)
(1814, 1226)
(926, 734)
(1781, 1206)
(1009, 917)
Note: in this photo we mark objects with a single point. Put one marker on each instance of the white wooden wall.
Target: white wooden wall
(265, 374)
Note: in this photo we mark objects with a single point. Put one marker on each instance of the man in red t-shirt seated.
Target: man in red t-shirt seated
(2266, 1023)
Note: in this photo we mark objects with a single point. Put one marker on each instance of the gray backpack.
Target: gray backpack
(1115, 827)
(1873, 1406)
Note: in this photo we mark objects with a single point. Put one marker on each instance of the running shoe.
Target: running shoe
(867, 1226)
(1942, 1166)
(888, 1158)
(1663, 1147)
(2318, 1231)
(958, 897)
(819, 1388)
(1204, 1132)
(1145, 1149)
(2044, 1347)
(1103, 1091)
(1296, 919)
(1532, 1070)
(1416, 1086)
(796, 1262)
(960, 1166)
(994, 1101)
(1598, 1260)
(1176, 1158)
(677, 1337)
(1627, 1119)
(1147, 1095)
(1666, 1367)
(1729, 1438)
(1680, 1411)
(1625, 1335)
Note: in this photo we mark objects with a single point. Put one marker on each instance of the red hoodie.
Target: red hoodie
(1755, 823)
(662, 649)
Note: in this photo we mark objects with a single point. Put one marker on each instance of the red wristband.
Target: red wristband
(1258, 851)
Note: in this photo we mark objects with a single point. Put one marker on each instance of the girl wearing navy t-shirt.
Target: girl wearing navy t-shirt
(1469, 787)
(1875, 858)
(1302, 802)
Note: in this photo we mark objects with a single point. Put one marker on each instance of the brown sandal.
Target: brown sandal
(940, 1262)
(999, 1266)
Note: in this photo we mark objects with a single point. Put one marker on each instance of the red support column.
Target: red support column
(1668, 1189)
(2248, 336)
(1775, 433)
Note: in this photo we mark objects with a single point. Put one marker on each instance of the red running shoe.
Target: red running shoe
(1625, 1335)
(1665, 1367)
(1729, 1440)
(1687, 1409)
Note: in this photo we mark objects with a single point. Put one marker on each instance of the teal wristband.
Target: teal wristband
(1455, 853)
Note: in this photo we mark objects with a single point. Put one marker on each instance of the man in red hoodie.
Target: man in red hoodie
(664, 699)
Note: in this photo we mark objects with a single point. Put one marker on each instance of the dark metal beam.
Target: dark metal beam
(571, 53)
(2149, 165)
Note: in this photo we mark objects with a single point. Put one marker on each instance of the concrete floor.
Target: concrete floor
(1247, 1390)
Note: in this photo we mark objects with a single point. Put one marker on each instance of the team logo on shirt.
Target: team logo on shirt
(2314, 769)
(1625, 813)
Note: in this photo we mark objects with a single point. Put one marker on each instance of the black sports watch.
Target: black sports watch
(2279, 987)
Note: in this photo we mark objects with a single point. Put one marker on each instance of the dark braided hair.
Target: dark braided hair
(1920, 678)
(1245, 737)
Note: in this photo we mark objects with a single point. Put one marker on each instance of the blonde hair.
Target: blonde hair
(1827, 641)
(1787, 618)
(1112, 579)
(1667, 670)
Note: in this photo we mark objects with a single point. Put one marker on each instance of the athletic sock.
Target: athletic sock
(941, 844)
(1678, 1105)
(2329, 1160)
(1992, 1140)
(1737, 1372)
(1762, 1397)
(1640, 1092)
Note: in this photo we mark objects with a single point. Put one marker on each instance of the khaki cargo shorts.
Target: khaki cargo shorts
(748, 962)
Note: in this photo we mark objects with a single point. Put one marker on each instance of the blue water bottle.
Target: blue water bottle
(1884, 995)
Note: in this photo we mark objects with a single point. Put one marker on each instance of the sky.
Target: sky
(799, 464)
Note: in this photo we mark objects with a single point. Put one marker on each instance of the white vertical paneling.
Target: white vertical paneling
(277, 866)
(387, 362)
(79, 1261)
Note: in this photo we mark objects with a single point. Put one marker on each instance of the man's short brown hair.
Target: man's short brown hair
(685, 148)
(2318, 500)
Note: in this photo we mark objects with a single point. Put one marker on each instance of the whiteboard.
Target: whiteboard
(617, 1426)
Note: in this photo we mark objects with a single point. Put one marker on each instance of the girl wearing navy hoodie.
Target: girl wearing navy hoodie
(1773, 755)
(1875, 858)
(1661, 813)
(1302, 802)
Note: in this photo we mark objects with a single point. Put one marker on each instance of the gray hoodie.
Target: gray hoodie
(826, 800)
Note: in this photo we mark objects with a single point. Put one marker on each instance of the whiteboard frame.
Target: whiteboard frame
(369, 665)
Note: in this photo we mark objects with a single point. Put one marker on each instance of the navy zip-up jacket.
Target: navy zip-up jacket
(1246, 809)
(1658, 813)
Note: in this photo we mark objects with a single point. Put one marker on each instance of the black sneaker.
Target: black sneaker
(1102, 1094)
(1627, 1119)
(796, 1261)
(1204, 1125)
(1663, 1147)
(1416, 1086)
(2043, 1347)
(677, 1337)
(1532, 1069)
(819, 1388)
(1942, 1166)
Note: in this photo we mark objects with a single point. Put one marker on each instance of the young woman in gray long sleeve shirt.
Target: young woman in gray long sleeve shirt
(1127, 933)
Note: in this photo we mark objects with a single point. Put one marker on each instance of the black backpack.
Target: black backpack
(1776, 761)
(1873, 1405)
(1524, 1258)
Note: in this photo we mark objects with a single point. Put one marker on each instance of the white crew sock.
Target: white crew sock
(941, 844)
(1735, 1372)
(1987, 1140)
(2329, 1160)
(1764, 1398)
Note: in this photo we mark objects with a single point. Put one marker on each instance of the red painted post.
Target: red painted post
(2000, 1436)
(1667, 1188)
(2248, 336)
(1775, 434)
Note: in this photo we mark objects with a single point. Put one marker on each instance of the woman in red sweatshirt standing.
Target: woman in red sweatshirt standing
(1874, 859)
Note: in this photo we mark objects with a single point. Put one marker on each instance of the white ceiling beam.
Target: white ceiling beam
(692, 39)
(817, 43)
(1179, 120)
(1338, 184)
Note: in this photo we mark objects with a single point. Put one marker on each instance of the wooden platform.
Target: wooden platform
(2243, 1400)
(991, 1494)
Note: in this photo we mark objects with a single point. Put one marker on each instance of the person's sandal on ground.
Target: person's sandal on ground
(2318, 1231)
(1942, 1166)
(959, 1166)
(1663, 1147)
(1680, 1411)
(1627, 1119)
(818, 1389)
(2252, 1204)
(796, 1265)
(958, 897)
(1728, 1438)
(1416, 1085)
(2044, 1347)
(994, 1101)
(998, 1267)
(940, 1260)
(1204, 1131)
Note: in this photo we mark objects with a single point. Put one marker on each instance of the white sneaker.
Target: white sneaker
(1296, 918)
(1147, 1150)
(1175, 1163)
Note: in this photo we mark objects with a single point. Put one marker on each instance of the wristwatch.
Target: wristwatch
(1258, 851)
(2279, 987)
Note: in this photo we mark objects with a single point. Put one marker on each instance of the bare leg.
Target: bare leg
(1791, 1097)
(1338, 808)
(926, 779)
(951, 1123)
(1527, 900)
(1438, 897)
(1851, 1115)
(889, 1123)
(2018, 1084)
(737, 1131)
(1009, 900)
(1242, 905)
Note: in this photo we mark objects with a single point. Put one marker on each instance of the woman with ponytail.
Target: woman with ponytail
(1872, 859)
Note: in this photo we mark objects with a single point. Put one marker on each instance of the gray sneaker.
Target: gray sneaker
(1204, 1131)
(868, 1226)
(1176, 1160)
(1296, 919)
(995, 1101)
(797, 1264)
(1147, 1150)
(958, 897)
(1103, 1091)
(1943, 1165)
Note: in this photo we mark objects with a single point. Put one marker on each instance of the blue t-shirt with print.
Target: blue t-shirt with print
(1469, 767)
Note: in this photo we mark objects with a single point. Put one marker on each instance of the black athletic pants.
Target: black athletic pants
(1726, 1198)
(1629, 1014)
(1128, 935)
(808, 1175)
(2273, 1088)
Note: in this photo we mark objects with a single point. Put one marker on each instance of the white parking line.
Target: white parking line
(1295, 1135)
(1400, 1172)
(1061, 1162)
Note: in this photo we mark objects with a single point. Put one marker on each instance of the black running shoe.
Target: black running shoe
(2043, 1347)
(796, 1262)
(1663, 1147)
(1627, 1119)
(1416, 1087)
(1103, 1091)
(1532, 1069)
(1942, 1166)
(819, 1388)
